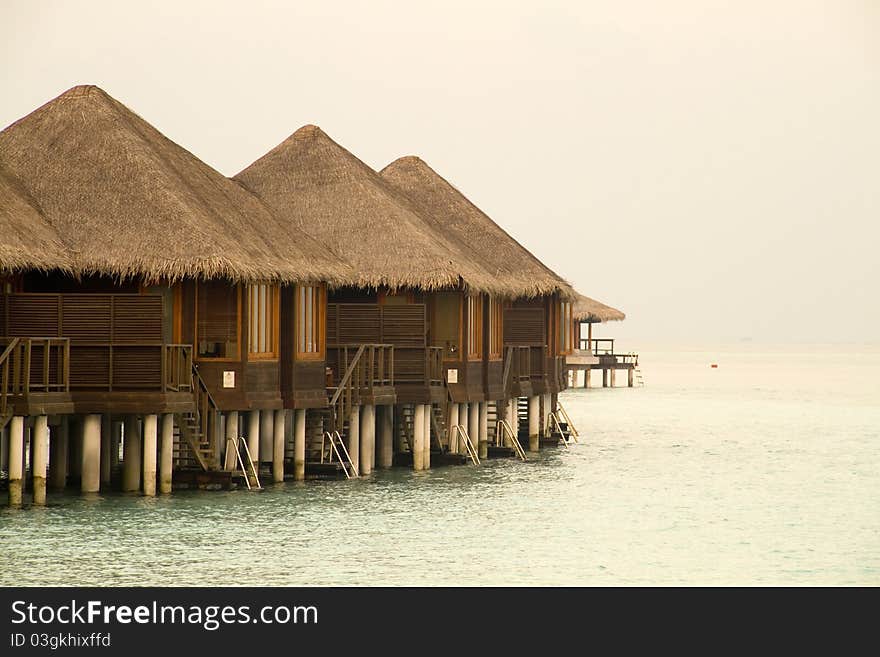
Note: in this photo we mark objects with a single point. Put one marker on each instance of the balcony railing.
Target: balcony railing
(55, 366)
(604, 348)
(35, 365)
(375, 366)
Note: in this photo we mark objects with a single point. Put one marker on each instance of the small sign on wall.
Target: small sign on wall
(452, 376)
(229, 379)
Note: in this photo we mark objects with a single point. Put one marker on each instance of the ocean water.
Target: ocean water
(765, 470)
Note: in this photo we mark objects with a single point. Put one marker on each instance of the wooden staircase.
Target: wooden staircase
(196, 432)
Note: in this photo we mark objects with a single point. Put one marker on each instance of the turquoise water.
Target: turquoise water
(762, 471)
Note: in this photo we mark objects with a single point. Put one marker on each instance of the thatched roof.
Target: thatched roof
(589, 310)
(26, 240)
(128, 202)
(450, 212)
(318, 186)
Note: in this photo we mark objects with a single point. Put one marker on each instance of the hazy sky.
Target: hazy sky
(710, 167)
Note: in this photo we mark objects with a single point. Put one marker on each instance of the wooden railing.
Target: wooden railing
(600, 347)
(375, 365)
(35, 365)
(113, 367)
(56, 365)
(363, 367)
(5, 363)
(208, 411)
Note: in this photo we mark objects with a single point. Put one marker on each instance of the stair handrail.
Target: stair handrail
(237, 443)
(507, 432)
(335, 443)
(572, 430)
(469, 445)
(204, 402)
(343, 382)
(551, 420)
(5, 361)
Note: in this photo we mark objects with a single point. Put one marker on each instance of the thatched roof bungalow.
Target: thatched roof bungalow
(451, 213)
(129, 203)
(318, 186)
(592, 311)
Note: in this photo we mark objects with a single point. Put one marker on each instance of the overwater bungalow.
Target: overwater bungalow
(520, 370)
(152, 290)
(597, 353)
(406, 298)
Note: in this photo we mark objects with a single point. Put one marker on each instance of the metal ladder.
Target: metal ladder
(560, 410)
(334, 442)
(638, 373)
(463, 434)
(503, 426)
(236, 444)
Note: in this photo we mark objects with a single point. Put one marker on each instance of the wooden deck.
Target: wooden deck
(599, 354)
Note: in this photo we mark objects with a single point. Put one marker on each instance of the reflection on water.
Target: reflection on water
(762, 471)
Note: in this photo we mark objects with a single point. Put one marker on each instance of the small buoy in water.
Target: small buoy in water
(714, 366)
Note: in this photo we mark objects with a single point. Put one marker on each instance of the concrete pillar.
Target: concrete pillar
(426, 459)
(40, 462)
(604, 378)
(278, 446)
(534, 423)
(352, 442)
(367, 438)
(253, 436)
(512, 416)
(106, 448)
(131, 455)
(16, 459)
(151, 430)
(473, 425)
(484, 430)
(59, 452)
(418, 446)
(587, 377)
(299, 444)
(453, 434)
(267, 437)
(613, 376)
(385, 438)
(90, 468)
(230, 441)
(166, 453)
(629, 377)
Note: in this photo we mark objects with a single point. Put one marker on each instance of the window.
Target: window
(218, 313)
(566, 326)
(262, 321)
(310, 322)
(496, 328)
(474, 327)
